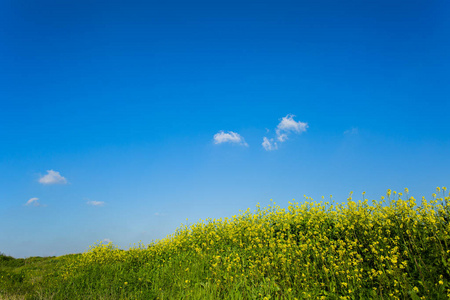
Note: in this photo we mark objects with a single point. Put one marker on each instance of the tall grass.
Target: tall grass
(391, 249)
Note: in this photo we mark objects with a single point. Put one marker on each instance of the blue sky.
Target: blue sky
(119, 120)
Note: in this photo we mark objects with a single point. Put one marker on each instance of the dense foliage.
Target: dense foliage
(391, 249)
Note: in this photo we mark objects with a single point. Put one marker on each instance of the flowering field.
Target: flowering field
(394, 248)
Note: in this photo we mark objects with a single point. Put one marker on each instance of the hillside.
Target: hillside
(390, 249)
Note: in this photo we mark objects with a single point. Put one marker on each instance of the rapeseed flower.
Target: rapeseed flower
(304, 248)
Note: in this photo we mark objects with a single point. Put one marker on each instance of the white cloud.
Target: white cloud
(96, 203)
(35, 202)
(269, 145)
(288, 125)
(229, 137)
(351, 131)
(29, 202)
(52, 177)
(106, 241)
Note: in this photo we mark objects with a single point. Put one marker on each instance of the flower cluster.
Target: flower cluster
(392, 248)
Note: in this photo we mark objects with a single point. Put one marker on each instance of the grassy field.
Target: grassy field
(389, 249)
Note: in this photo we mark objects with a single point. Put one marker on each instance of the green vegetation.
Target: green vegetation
(27, 278)
(392, 249)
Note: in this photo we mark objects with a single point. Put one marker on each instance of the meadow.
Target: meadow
(393, 248)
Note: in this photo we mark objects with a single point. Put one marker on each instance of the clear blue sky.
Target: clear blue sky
(119, 120)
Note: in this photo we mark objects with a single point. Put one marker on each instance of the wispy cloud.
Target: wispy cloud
(351, 131)
(95, 203)
(269, 145)
(286, 127)
(29, 202)
(34, 201)
(229, 137)
(52, 177)
(107, 241)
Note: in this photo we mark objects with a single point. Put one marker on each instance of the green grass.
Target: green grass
(26, 278)
(387, 250)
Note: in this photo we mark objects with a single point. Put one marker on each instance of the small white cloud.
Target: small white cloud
(269, 145)
(52, 177)
(29, 202)
(107, 241)
(288, 125)
(351, 131)
(229, 137)
(95, 203)
(35, 202)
